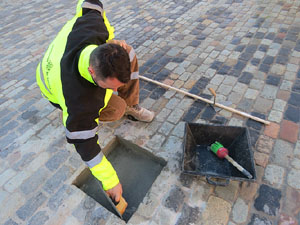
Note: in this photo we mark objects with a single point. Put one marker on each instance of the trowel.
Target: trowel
(225, 103)
(119, 207)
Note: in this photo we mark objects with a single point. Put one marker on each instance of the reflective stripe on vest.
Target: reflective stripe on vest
(96, 160)
(42, 78)
(85, 134)
(134, 75)
(89, 5)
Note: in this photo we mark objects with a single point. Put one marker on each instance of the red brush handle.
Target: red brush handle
(222, 152)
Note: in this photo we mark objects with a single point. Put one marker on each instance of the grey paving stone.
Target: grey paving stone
(173, 146)
(175, 199)
(80, 211)
(16, 181)
(173, 52)
(179, 130)
(175, 116)
(96, 216)
(293, 178)
(10, 126)
(172, 103)
(231, 223)
(256, 84)
(6, 175)
(188, 215)
(217, 79)
(148, 206)
(224, 89)
(25, 160)
(235, 122)
(75, 161)
(29, 208)
(297, 149)
(251, 93)
(89, 203)
(296, 164)
(245, 105)
(274, 175)
(279, 105)
(185, 103)
(155, 142)
(240, 211)
(8, 144)
(163, 114)
(3, 196)
(282, 153)
(240, 88)
(39, 218)
(10, 222)
(8, 84)
(34, 181)
(269, 92)
(166, 128)
(54, 182)
(229, 80)
(275, 116)
(56, 160)
(262, 105)
(56, 200)
(234, 97)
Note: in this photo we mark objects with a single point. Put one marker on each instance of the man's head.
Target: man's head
(110, 66)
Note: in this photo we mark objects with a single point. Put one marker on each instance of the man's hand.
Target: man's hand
(115, 193)
(122, 43)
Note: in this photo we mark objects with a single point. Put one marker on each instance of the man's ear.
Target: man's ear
(91, 71)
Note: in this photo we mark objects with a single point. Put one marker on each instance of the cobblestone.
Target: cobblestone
(275, 116)
(31, 206)
(16, 181)
(269, 92)
(293, 178)
(39, 218)
(240, 211)
(175, 199)
(282, 153)
(56, 180)
(274, 175)
(6, 175)
(175, 116)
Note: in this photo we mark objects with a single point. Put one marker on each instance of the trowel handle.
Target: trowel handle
(239, 167)
(212, 91)
(121, 205)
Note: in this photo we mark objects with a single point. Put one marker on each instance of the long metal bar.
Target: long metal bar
(206, 100)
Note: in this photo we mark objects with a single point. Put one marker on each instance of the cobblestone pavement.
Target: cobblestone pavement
(248, 51)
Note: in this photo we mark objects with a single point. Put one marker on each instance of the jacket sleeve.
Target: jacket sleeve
(85, 139)
(96, 7)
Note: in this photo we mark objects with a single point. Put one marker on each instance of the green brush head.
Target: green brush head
(216, 146)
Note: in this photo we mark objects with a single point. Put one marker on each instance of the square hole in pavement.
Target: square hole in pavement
(137, 169)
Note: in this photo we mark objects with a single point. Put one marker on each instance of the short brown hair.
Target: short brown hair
(111, 60)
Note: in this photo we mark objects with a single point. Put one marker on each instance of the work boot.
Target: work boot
(139, 113)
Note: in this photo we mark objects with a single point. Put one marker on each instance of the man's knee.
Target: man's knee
(120, 110)
(114, 110)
